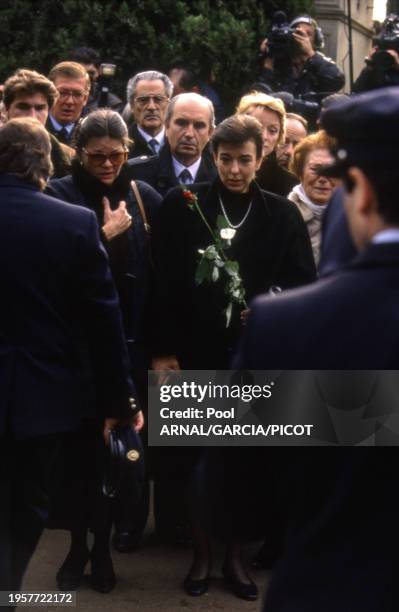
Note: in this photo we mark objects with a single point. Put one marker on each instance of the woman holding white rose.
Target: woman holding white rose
(196, 328)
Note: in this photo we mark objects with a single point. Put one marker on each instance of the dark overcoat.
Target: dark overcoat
(56, 289)
(341, 549)
(129, 253)
(158, 170)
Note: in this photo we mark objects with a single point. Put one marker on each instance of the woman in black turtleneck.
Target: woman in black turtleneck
(272, 248)
(100, 182)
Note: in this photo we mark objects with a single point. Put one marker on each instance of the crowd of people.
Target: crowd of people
(105, 209)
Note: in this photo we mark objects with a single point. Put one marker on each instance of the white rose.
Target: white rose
(227, 233)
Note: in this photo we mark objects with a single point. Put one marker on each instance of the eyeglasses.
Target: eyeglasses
(76, 94)
(99, 159)
(144, 100)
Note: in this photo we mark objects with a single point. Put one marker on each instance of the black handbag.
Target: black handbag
(124, 463)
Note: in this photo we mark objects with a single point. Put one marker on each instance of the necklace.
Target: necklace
(228, 220)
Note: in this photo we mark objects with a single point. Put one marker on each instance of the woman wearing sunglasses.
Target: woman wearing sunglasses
(99, 181)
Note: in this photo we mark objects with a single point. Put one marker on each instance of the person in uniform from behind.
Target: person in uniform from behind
(344, 520)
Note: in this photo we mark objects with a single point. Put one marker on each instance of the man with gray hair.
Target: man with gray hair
(148, 94)
(184, 158)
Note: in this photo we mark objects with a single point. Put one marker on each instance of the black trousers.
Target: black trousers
(26, 476)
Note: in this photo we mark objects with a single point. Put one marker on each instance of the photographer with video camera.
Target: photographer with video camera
(382, 64)
(101, 76)
(292, 62)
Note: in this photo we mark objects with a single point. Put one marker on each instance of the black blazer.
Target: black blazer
(272, 248)
(158, 170)
(56, 290)
(139, 146)
(51, 129)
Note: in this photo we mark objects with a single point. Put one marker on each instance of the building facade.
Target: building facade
(332, 16)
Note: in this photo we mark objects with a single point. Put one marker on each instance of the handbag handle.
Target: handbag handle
(140, 202)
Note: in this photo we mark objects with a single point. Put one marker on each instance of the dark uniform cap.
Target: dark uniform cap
(366, 127)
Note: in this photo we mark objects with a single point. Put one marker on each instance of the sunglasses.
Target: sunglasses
(99, 159)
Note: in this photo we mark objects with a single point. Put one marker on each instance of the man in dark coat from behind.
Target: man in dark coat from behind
(341, 548)
(57, 292)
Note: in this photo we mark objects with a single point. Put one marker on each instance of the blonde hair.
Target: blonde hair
(319, 140)
(70, 70)
(258, 99)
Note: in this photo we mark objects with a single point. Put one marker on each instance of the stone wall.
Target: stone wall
(332, 17)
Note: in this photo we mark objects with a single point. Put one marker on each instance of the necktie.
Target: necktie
(185, 177)
(63, 135)
(154, 144)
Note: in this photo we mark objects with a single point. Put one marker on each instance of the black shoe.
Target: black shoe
(70, 575)
(265, 558)
(196, 586)
(244, 590)
(102, 577)
(126, 541)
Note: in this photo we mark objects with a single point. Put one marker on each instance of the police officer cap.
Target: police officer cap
(366, 127)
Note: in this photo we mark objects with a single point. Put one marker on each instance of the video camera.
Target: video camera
(307, 105)
(388, 38)
(104, 81)
(279, 39)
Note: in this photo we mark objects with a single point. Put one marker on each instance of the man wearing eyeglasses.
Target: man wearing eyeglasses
(148, 94)
(73, 85)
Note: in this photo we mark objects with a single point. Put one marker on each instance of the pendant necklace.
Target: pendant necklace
(228, 220)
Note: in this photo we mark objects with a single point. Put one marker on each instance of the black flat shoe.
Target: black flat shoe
(102, 577)
(196, 586)
(126, 541)
(243, 590)
(70, 575)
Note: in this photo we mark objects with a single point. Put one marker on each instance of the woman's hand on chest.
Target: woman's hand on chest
(116, 221)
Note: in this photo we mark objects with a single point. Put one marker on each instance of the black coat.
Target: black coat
(129, 253)
(272, 248)
(374, 78)
(56, 290)
(272, 177)
(341, 500)
(60, 160)
(51, 129)
(319, 75)
(158, 170)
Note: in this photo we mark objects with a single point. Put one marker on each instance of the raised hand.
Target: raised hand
(116, 221)
(304, 42)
